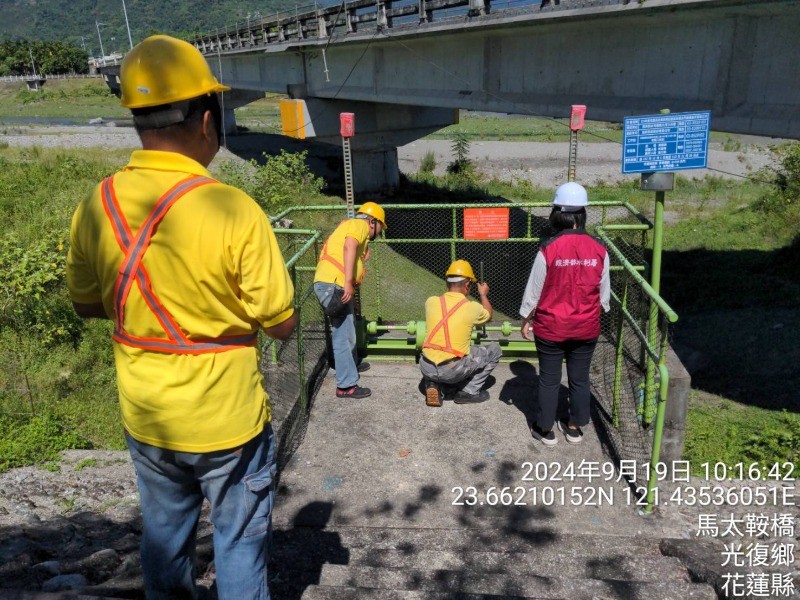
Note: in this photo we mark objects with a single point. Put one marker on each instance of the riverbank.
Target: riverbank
(542, 164)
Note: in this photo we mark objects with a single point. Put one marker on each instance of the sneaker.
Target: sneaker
(363, 366)
(353, 392)
(465, 398)
(548, 438)
(573, 436)
(433, 393)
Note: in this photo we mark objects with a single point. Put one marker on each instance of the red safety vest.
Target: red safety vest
(325, 256)
(132, 269)
(446, 314)
(569, 306)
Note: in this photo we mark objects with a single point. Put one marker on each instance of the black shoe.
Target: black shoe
(362, 366)
(465, 398)
(433, 393)
(353, 392)
(573, 436)
(548, 438)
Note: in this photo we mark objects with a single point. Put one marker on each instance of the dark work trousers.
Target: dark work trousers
(579, 356)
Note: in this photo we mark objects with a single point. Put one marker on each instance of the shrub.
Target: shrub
(461, 163)
(32, 289)
(785, 180)
(428, 162)
(283, 179)
(37, 440)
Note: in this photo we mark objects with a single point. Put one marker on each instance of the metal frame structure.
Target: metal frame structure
(637, 328)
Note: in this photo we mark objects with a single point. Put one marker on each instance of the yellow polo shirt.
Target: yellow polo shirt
(327, 272)
(459, 324)
(215, 265)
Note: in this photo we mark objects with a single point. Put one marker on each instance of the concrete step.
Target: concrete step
(410, 540)
(518, 564)
(356, 563)
(442, 581)
(326, 592)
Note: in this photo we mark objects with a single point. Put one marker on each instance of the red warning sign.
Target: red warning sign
(486, 223)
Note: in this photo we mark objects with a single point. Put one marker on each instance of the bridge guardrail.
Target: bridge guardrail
(310, 23)
(57, 76)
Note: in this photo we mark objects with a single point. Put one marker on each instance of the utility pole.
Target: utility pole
(33, 64)
(96, 24)
(125, 10)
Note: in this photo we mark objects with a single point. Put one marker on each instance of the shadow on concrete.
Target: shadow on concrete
(299, 553)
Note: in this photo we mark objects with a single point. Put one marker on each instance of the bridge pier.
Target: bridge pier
(380, 128)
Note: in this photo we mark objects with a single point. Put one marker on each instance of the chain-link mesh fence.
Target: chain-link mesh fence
(293, 369)
(408, 265)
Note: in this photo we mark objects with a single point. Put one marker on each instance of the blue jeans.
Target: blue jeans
(238, 484)
(343, 338)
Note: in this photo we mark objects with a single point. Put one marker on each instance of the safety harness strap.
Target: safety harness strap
(446, 314)
(132, 269)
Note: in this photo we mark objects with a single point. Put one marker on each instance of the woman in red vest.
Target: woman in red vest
(568, 284)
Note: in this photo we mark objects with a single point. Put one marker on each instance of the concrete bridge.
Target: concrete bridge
(403, 66)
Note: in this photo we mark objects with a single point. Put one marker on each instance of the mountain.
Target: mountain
(75, 21)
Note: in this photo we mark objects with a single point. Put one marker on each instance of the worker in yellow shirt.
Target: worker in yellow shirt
(339, 270)
(448, 360)
(188, 269)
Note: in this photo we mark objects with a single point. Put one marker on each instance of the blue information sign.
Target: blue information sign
(670, 142)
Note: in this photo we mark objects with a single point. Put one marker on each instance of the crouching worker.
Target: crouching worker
(339, 270)
(188, 269)
(448, 360)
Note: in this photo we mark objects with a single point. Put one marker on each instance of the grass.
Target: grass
(262, 115)
(517, 128)
(60, 98)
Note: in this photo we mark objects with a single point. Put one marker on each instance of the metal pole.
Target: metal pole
(102, 52)
(33, 64)
(655, 283)
(125, 10)
(348, 178)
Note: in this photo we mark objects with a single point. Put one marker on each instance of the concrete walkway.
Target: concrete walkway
(391, 461)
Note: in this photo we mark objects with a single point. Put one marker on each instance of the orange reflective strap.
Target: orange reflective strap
(446, 314)
(325, 256)
(132, 269)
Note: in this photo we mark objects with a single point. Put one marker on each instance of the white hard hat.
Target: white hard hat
(571, 197)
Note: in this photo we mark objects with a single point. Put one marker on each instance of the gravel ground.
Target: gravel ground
(544, 164)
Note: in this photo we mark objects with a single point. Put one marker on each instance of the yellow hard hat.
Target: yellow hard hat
(162, 70)
(460, 268)
(375, 211)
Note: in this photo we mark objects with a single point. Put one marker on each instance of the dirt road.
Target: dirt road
(542, 163)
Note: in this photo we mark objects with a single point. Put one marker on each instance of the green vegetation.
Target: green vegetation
(38, 439)
(56, 373)
(262, 115)
(526, 129)
(85, 463)
(515, 128)
(722, 431)
(62, 98)
(276, 184)
(72, 20)
(428, 162)
(57, 378)
(52, 58)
